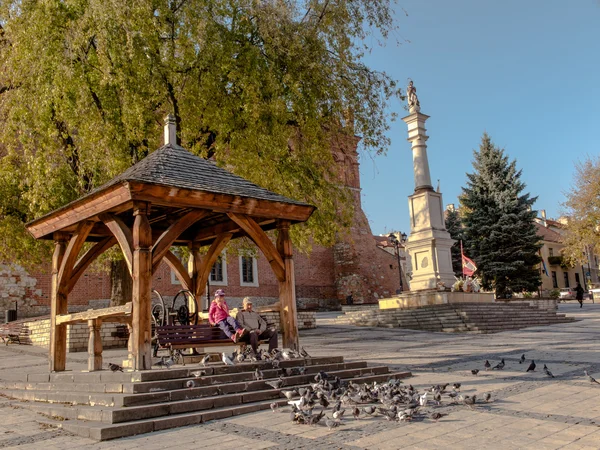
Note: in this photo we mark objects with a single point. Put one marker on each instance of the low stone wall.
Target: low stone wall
(77, 335)
(547, 304)
(427, 298)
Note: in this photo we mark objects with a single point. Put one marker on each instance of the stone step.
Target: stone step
(228, 392)
(183, 375)
(170, 417)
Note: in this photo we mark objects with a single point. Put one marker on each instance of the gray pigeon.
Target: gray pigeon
(531, 367)
(205, 360)
(258, 374)
(437, 416)
(332, 423)
(276, 384)
(590, 378)
(115, 367)
(199, 373)
(500, 365)
(547, 371)
(522, 360)
(190, 384)
(289, 394)
(274, 406)
(226, 359)
(487, 397)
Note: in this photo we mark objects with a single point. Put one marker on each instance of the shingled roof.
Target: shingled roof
(174, 166)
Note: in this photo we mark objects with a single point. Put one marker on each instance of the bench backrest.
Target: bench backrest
(182, 333)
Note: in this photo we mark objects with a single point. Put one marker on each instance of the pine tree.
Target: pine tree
(499, 231)
(455, 228)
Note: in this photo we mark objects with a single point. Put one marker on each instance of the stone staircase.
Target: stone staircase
(456, 317)
(104, 405)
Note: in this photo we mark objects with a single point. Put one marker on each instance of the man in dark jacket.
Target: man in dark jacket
(256, 326)
(579, 295)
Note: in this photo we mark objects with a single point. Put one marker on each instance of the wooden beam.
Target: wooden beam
(287, 288)
(58, 306)
(123, 234)
(209, 233)
(94, 345)
(176, 265)
(142, 288)
(209, 259)
(165, 241)
(263, 242)
(193, 266)
(101, 313)
(171, 196)
(88, 258)
(83, 209)
(68, 262)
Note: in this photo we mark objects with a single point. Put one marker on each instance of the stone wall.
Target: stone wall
(548, 304)
(38, 334)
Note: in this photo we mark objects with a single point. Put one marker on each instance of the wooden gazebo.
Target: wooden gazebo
(170, 198)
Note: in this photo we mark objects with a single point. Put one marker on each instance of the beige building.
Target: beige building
(558, 274)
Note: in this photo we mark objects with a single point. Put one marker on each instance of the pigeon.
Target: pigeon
(522, 360)
(475, 371)
(487, 365)
(332, 423)
(276, 384)
(356, 412)
(437, 416)
(274, 406)
(487, 397)
(258, 374)
(226, 359)
(423, 399)
(115, 367)
(500, 365)
(162, 362)
(531, 367)
(547, 371)
(590, 378)
(240, 357)
(199, 373)
(457, 386)
(304, 353)
(369, 410)
(190, 384)
(205, 360)
(339, 414)
(289, 394)
(470, 401)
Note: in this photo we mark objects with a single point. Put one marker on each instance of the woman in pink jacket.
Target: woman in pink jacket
(218, 314)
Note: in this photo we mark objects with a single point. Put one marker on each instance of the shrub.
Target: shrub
(554, 294)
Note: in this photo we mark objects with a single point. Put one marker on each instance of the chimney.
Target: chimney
(170, 130)
(543, 213)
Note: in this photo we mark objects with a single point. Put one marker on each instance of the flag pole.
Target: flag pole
(462, 260)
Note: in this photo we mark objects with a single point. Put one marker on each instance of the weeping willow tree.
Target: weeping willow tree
(261, 86)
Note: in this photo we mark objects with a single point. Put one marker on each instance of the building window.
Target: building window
(248, 271)
(577, 280)
(218, 273)
(554, 280)
(550, 252)
(566, 275)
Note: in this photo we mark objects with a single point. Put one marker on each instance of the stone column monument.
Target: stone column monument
(429, 243)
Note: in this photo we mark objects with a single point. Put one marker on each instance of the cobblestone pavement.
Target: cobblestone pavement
(527, 410)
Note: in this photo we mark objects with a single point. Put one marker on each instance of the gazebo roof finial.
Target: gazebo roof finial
(170, 130)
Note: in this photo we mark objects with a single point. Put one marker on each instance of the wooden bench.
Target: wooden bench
(178, 337)
(11, 332)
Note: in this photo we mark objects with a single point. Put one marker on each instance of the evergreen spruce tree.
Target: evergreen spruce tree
(499, 231)
(455, 228)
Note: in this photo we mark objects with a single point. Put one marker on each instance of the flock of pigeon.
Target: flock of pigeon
(390, 400)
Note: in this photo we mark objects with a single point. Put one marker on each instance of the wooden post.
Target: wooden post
(58, 306)
(94, 345)
(194, 261)
(287, 288)
(142, 288)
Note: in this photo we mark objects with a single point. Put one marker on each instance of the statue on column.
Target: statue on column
(413, 100)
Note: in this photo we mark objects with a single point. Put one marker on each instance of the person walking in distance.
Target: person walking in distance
(579, 295)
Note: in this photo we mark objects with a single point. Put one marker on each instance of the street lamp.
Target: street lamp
(396, 243)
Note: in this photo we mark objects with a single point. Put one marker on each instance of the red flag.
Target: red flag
(468, 265)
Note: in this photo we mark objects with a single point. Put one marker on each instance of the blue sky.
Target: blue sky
(527, 72)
